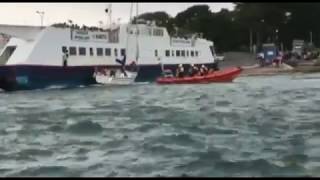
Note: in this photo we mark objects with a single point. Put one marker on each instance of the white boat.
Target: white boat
(118, 78)
(38, 57)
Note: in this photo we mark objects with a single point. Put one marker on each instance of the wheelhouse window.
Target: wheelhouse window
(114, 36)
(64, 49)
(107, 52)
(212, 51)
(156, 53)
(192, 53)
(177, 53)
(123, 52)
(6, 54)
(167, 53)
(82, 51)
(197, 53)
(157, 32)
(183, 53)
(99, 51)
(91, 51)
(172, 53)
(73, 51)
(187, 53)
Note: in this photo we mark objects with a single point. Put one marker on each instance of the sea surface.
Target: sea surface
(256, 127)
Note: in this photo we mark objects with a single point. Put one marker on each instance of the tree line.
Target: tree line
(246, 24)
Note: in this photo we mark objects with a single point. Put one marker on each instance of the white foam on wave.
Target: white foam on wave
(14, 128)
(55, 87)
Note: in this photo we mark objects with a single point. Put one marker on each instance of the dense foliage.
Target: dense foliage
(230, 30)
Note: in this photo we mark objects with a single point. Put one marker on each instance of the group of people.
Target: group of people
(193, 71)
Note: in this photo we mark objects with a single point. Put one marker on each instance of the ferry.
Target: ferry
(39, 57)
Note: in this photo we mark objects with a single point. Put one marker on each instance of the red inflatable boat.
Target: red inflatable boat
(226, 75)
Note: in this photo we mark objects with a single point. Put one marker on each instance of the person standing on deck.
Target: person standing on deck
(193, 70)
(123, 63)
(180, 71)
(65, 58)
(203, 70)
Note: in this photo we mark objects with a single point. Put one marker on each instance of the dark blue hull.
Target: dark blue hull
(25, 77)
(28, 77)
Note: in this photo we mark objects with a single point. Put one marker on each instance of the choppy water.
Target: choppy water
(257, 126)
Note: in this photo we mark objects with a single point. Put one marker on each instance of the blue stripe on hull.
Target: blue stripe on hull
(28, 77)
(38, 77)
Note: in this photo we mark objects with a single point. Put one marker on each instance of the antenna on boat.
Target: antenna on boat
(41, 13)
(109, 12)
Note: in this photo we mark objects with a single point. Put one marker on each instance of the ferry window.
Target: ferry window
(99, 52)
(156, 53)
(91, 51)
(177, 53)
(172, 53)
(167, 53)
(212, 50)
(6, 54)
(72, 51)
(82, 51)
(116, 52)
(192, 53)
(183, 54)
(64, 49)
(197, 53)
(157, 32)
(123, 52)
(161, 32)
(187, 53)
(108, 52)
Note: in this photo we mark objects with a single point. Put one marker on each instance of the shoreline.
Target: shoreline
(250, 66)
(272, 71)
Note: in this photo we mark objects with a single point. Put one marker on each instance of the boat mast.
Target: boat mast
(137, 32)
(131, 9)
(110, 15)
(129, 26)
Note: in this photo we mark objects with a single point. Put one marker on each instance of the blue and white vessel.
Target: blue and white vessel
(39, 57)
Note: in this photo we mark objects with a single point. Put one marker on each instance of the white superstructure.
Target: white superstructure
(45, 46)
